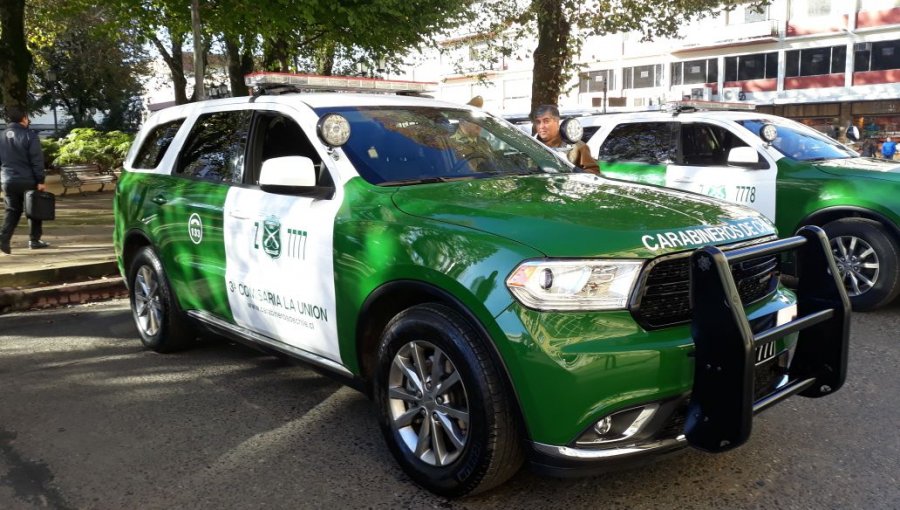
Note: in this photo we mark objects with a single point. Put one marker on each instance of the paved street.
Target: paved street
(88, 419)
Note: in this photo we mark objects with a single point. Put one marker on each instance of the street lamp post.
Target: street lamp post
(51, 79)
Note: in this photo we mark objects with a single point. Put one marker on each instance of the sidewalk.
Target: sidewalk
(79, 265)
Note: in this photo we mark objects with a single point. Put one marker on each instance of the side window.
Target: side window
(276, 136)
(156, 144)
(214, 150)
(643, 142)
(707, 145)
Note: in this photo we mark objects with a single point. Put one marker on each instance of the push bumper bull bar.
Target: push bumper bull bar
(722, 403)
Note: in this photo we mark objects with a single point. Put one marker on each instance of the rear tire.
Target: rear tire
(867, 258)
(162, 325)
(443, 408)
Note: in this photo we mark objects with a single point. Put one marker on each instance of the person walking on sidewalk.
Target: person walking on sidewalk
(21, 170)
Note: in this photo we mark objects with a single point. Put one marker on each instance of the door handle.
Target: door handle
(160, 199)
(239, 215)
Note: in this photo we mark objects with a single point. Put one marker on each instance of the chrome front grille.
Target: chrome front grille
(765, 351)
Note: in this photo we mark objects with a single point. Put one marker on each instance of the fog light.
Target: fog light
(618, 426)
(603, 426)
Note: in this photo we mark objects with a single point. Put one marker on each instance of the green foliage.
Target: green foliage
(87, 145)
(95, 63)
(50, 148)
(561, 27)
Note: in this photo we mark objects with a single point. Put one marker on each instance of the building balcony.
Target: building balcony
(730, 35)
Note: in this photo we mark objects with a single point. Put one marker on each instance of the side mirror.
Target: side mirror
(291, 175)
(743, 156)
(853, 133)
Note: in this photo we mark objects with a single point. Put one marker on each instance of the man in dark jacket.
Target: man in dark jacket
(546, 124)
(21, 170)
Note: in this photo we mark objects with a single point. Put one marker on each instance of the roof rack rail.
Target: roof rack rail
(273, 83)
(677, 107)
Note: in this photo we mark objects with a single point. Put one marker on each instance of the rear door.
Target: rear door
(639, 151)
(190, 203)
(702, 167)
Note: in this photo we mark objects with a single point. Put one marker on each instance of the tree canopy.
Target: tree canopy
(561, 27)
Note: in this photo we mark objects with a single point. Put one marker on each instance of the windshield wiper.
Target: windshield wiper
(826, 158)
(424, 180)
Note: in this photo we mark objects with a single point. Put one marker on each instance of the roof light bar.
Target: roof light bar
(336, 83)
(707, 105)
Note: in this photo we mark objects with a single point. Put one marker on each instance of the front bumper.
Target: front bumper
(566, 462)
(730, 384)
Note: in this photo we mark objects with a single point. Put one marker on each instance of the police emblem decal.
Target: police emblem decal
(195, 228)
(272, 237)
(704, 263)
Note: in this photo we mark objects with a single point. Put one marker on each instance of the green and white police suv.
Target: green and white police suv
(789, 172)
(496, 303)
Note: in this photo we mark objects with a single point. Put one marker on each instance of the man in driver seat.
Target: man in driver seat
(468, 142)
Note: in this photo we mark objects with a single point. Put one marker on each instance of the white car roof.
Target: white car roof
(313, 100)
(662, 116)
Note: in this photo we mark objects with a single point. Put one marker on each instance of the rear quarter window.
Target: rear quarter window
(643, 142)
(156, 144)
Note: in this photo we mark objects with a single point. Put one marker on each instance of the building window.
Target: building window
(878, 56)
(593, 81)
(752, 15)
(815, 61)
(885, 55)
(641, 77)
(862, 57)
(810, 8)
(748, 14)
(695, 71)
(751, 67)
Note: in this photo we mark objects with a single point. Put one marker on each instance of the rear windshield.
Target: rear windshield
(799, 142)
(392, 146)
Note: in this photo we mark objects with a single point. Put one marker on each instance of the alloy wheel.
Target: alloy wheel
(148, 308)
(428, 405)
(857, 263)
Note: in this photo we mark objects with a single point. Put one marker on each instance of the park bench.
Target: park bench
(76, 176)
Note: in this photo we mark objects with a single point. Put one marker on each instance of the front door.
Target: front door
(280, 272)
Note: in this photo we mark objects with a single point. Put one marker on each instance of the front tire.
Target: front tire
(443, 408)
(867, 258)
(162, 326)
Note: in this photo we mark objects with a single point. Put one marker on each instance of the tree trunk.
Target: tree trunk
(275, 56)
(15, 59)
(175, 60)
(199, 71)
(551, 57)
(240, 63)
(179, 80)
(325, 59)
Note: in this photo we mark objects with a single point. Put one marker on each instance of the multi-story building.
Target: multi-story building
(823, 62)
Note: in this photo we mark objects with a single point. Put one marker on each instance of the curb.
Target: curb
(58, 274)
(62, 294)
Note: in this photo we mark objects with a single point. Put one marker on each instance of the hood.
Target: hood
(862, 167)
(583, 215)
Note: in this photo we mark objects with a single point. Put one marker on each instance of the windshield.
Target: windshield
(405, 145)
(799, 142)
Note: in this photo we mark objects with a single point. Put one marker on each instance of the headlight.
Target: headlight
(574, 284)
